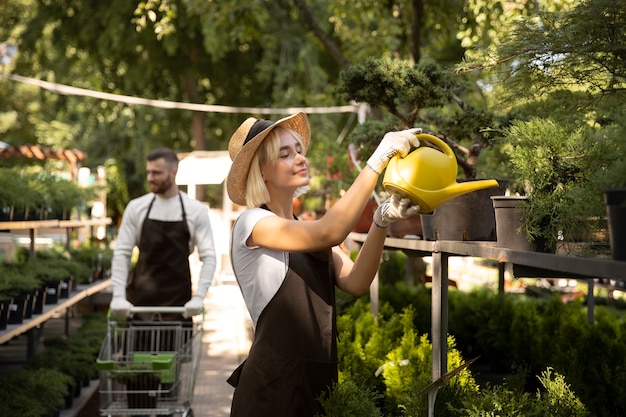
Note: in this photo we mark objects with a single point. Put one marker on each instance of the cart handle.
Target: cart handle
(157, 309)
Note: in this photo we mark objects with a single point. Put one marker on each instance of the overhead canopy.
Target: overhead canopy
(203, 167)
(41, 152)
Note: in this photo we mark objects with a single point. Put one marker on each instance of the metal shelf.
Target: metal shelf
(530, 264)
(567, 265)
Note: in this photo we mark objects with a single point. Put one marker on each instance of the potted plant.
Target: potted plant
(32, 394)
(96, 259)
(5, 299)
(62, 196)
(144, 378)
(141, 383)
(9, 193)
(71, 357)
(20, 288)
(562, 170)
(71, 271)
(49, 276)
(59, 356)
(615, 200)
(18, 200)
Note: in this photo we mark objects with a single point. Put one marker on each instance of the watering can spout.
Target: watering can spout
(461, 188)
(428, 177)
(428, 200)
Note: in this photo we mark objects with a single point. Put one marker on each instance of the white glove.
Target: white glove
(120, 307)
(393, 143)
(193, 307)
(393, 209)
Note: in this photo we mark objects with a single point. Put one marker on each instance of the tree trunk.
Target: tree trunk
(197, 127)
(415, 32)
(333, 49)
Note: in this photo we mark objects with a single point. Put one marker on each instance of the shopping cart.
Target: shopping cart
(149, 367)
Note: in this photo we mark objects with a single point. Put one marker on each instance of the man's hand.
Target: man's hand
(193, 307)
(393, 143)
(393, 209)
(120, 307)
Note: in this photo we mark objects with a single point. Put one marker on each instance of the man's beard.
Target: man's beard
(160, 188)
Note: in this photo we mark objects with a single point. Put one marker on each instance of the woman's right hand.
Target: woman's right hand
(393, 143)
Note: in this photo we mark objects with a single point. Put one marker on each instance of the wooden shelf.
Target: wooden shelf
(34, 322)
(49, 310)
(52, 224)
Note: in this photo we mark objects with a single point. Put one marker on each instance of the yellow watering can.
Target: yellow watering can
(428, 176)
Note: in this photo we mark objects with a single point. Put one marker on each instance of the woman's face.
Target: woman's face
(290, 170)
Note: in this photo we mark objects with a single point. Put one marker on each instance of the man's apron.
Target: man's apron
(162, 276)
(293, 358)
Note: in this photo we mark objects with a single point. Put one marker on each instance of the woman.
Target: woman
(288, 269)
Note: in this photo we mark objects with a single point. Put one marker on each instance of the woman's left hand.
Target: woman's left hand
(393, 209)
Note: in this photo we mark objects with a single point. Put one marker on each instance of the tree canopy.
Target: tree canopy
(286, 54)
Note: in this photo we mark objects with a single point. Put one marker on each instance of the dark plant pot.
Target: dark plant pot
(65, 214)
(53, 288)
(66, 287)
(406, 227)
(54, 214)
(615, 200)
(4, 312)
(77, 389)
(469, 216)
(40, 300)
(17, 308)
(508, 211)
(55, 413)
(6, 214)
(142, 393)
(29, 307)
(69, 397)
(19, 214)
(37, 214)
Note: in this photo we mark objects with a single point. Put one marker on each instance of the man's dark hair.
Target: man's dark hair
(165, 153)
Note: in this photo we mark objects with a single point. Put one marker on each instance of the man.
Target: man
(166, 225)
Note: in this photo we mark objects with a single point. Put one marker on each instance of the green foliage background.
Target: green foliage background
(272, 54)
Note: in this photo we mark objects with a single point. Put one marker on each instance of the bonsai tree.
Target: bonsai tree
(563, 171)
(421, 95)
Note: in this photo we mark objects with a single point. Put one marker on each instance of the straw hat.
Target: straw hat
(246, 140)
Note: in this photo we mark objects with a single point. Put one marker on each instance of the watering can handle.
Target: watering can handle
(447, 150)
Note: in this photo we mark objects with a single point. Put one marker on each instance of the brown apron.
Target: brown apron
(293, 358)
(162, 276)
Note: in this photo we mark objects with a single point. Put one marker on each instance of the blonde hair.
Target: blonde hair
(256, 191)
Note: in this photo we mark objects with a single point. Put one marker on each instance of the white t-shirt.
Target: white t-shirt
(259, 271)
